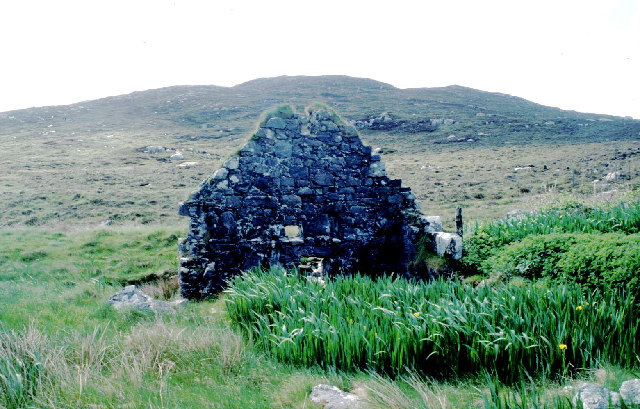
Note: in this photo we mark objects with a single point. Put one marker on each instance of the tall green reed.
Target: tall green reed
(623, 218)
(439, 328)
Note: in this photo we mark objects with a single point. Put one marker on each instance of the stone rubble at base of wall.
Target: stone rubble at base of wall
(301, 187)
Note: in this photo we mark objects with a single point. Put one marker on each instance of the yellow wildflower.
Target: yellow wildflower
(364, 327)
(579, 308)
(562, 347)
(416, 314)
(375, 335)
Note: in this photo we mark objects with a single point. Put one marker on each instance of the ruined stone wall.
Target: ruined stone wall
(303, 186)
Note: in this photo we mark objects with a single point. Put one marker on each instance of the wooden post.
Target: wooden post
(459, 221)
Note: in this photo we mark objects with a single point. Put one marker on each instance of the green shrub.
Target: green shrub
(440, 328)
(599, 261)
(476, 250)
(570, 217)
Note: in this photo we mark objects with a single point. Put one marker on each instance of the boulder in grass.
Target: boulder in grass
(593, 397)
(630, 392)
(132, 297)
(155, 149)
(332, 397)
(187, 164)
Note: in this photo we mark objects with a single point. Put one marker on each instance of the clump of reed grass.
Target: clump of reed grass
(28, 362)
(440, 328)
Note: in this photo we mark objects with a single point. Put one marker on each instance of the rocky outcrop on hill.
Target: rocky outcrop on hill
(303, 186)
(387, 121)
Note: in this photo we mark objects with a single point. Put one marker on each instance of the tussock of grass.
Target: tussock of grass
(105, 366)
(117, 256)
(28, 363)
(422, 393)
(283, 111)
(523, 395)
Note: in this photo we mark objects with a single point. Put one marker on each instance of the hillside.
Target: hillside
(87, 163)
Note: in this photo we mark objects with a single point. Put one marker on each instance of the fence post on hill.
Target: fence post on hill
(459, 221)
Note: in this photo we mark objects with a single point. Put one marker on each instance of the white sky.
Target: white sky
(574, 54)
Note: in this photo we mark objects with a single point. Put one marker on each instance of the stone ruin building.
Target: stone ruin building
(303, 188)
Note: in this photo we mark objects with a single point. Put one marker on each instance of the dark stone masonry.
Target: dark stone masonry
(303, 187)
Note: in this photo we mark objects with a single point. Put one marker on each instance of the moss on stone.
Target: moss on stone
(284, 111)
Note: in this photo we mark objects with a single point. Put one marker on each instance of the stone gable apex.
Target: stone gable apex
(303, 186)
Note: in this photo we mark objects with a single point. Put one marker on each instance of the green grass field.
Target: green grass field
(62, 346)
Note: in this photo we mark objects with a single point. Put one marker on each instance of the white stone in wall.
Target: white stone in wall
(232, 163)
(449, 245)
(433, 224)
(220, 174)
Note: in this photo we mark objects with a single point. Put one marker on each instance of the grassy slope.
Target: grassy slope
(82, 164)
(53, 292)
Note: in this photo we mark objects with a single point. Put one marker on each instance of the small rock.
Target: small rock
(592, 397)
(515, 214)
(177, 156)
(377, 170)
(131, 297)
(187, 164)
(630, 392)
(432, 224)
(220, 174)
(331, 397)
(377, 151)
(276, 123)
(614, 398)
(232, 163)
(612, 177)
(155, 149)
(106, 223)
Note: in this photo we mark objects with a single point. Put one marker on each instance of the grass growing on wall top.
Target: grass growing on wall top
(283, 111)
(444, 328)
(319, 106)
